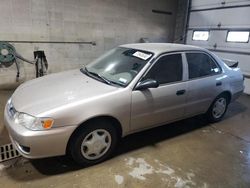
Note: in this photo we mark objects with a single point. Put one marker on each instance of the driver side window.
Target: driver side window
(167, 69)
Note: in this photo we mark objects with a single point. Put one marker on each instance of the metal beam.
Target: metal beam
(162, 12)
(218, 29)
(229, 51)
(218, 8)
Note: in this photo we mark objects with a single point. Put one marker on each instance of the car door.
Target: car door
(205, 81)
(155, 106)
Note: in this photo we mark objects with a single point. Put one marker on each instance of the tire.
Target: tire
(218, 108)
(93, 143)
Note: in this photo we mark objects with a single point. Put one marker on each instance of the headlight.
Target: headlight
(33, 123)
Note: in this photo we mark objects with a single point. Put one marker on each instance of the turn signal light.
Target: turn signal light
(47, 124)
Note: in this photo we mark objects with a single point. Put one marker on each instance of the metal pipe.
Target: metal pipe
(50, 42)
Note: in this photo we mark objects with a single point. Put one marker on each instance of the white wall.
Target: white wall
(107, 22)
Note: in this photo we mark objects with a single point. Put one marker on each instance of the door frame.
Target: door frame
(184, 68)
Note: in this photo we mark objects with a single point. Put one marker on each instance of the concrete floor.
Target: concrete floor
(189, 153)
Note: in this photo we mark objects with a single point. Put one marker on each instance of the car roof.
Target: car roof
(159, 48)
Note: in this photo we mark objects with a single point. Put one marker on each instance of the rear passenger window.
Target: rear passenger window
(167, 69)
(200, 64)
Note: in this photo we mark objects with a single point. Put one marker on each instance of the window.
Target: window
(119, 66)
(167, 69)
(238, 36)
(200, 64)
(201, 35)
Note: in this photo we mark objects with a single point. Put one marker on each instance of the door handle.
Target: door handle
(218, 83)
(180, 92)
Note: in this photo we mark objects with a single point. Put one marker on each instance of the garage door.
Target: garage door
(222, 27)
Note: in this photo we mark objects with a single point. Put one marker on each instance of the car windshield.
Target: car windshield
(118, 66)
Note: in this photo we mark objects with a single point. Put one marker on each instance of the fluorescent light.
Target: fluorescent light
(238, 36)
(201, 35)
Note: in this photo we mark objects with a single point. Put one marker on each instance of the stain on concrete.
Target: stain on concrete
(140, 169)
(119, 179)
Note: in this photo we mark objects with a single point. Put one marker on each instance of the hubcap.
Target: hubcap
(96, 144)
(219, 107)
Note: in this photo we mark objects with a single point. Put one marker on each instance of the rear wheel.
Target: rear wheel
(93, 143)
(218, 108)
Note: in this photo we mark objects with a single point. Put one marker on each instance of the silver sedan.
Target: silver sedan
(131, 88)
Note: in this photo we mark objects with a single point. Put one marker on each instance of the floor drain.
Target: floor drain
(7, 152)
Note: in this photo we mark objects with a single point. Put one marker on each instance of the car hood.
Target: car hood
(52, 91)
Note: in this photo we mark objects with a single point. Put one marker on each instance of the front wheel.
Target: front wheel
(218, 108)
(93, 143)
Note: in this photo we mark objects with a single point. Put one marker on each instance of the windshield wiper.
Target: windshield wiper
(97, 75)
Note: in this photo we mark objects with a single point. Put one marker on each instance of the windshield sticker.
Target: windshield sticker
(142, 55)
(123, 80)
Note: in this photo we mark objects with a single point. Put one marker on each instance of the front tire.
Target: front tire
(218, 108)
(93, 143)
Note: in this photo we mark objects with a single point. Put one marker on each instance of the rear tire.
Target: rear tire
(218, 108)
(93, 142)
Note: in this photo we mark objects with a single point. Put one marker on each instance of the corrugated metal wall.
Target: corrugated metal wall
(219, 17)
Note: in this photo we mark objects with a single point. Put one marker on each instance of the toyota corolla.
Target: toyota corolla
(131, 88)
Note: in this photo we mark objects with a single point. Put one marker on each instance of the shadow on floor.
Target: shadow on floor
(236, 107)
(59, 165)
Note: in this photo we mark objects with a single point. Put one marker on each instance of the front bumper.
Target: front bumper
(38, 144)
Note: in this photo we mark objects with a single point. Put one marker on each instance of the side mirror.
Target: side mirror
(148, 83)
